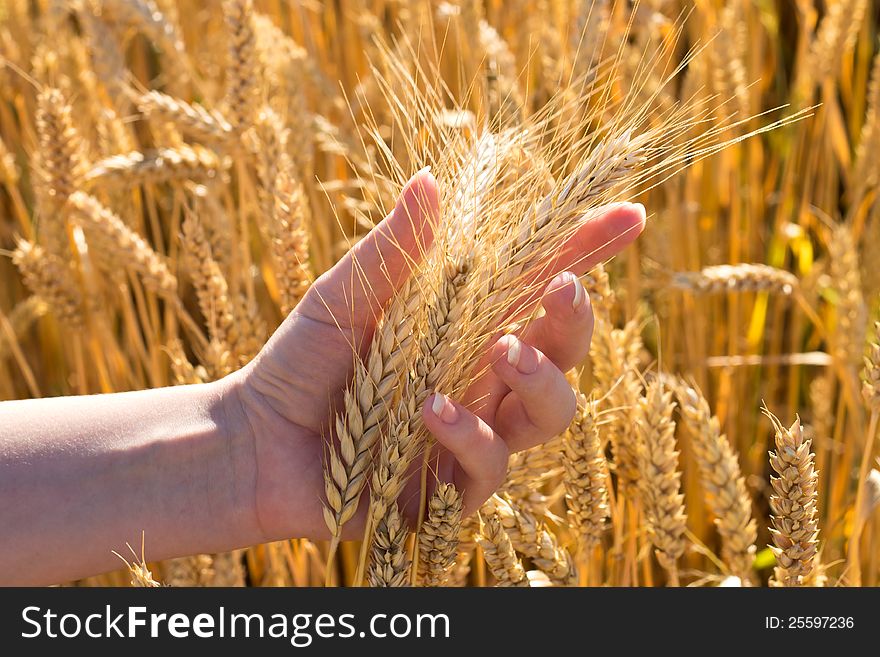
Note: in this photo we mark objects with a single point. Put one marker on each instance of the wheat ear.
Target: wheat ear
(615, 357)
(586, 476)
(184, 162)
(240, 99)
(191, 118)
(61, 165)
(723, 483)
(743, 277)
(51, 279)
(871, 395)
(534, 541)
(660, 478)
(188, 572)
(389, 565)
(122, 245)
(438, 536)
(498, 551)
(793, 505)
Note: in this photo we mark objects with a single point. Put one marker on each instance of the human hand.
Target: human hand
(284, 400)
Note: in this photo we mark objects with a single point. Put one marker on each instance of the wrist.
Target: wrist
(236, 477)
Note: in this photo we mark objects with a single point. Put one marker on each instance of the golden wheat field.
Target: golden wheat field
(174, 175)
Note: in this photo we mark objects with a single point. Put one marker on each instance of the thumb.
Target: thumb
(353, 292)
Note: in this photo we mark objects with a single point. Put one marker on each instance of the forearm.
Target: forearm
(81, 476)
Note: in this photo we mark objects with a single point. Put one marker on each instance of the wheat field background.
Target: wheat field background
(175, 174)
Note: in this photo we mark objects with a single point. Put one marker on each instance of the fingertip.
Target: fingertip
(420, 202)
(603, 234)
(511, 357)
(438, 407)
(565, 297)
(622, 223)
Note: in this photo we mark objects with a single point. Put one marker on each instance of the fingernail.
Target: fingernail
(580, 295)
(425, 169)
(640, 208)
(444, 409)
(515, 357)
(514, 350)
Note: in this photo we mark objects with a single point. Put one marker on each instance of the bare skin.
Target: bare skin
(212, 467)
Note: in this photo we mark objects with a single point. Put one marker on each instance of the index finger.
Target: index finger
(599, 237)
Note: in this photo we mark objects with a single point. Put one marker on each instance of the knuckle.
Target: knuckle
(496, 466)
(567, 407)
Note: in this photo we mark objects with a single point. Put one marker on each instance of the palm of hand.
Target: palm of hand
(290, 392)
